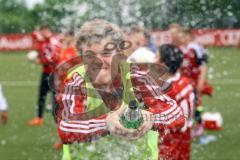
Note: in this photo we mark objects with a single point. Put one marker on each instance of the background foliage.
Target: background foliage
(60, 14)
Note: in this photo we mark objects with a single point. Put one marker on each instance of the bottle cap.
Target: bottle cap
(133, 104)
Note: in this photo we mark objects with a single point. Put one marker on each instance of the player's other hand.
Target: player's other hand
(147, 125)
(115, 127)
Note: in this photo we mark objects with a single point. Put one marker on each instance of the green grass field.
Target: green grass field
(20, 82)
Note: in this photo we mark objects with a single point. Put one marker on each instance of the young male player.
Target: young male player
(194, 67)
(48, 47)
(175, 144)
(99, 43)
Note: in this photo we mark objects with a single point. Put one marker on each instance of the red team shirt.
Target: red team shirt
(175, 144)
(48, 50)
(72, 101)
(194, 56)
(67, 54)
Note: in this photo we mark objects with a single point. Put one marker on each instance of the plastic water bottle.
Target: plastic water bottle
(132, 116)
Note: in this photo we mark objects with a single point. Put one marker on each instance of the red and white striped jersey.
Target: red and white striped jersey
(182, 92)
(72, 102)
(48, 50)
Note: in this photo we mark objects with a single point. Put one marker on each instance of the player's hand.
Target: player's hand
(115, 127)
(113, 124)
(147, 125)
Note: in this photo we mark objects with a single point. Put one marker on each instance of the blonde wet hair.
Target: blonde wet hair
(96, 30)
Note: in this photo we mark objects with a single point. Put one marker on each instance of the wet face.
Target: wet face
(98, 60)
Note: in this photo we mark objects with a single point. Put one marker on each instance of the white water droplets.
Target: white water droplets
(3, 142)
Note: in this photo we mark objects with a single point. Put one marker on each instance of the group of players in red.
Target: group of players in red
(176, 105)
(188, 86)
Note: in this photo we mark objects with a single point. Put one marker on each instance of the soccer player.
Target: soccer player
(142, 38)
(174, 30)
(68, 49)
(142, 49)
(194, 67)
(67, 52)
(175, 144)
(3, 107)
(48, 47)
(102, 84)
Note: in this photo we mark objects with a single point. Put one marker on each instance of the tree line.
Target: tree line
(16, 17)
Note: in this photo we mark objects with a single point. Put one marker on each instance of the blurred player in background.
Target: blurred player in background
(175, 145)
(3, 107)
(194, 67)
(48, 46)
(142, 50)
(68, 49)
(174, 30)
(142, 37)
